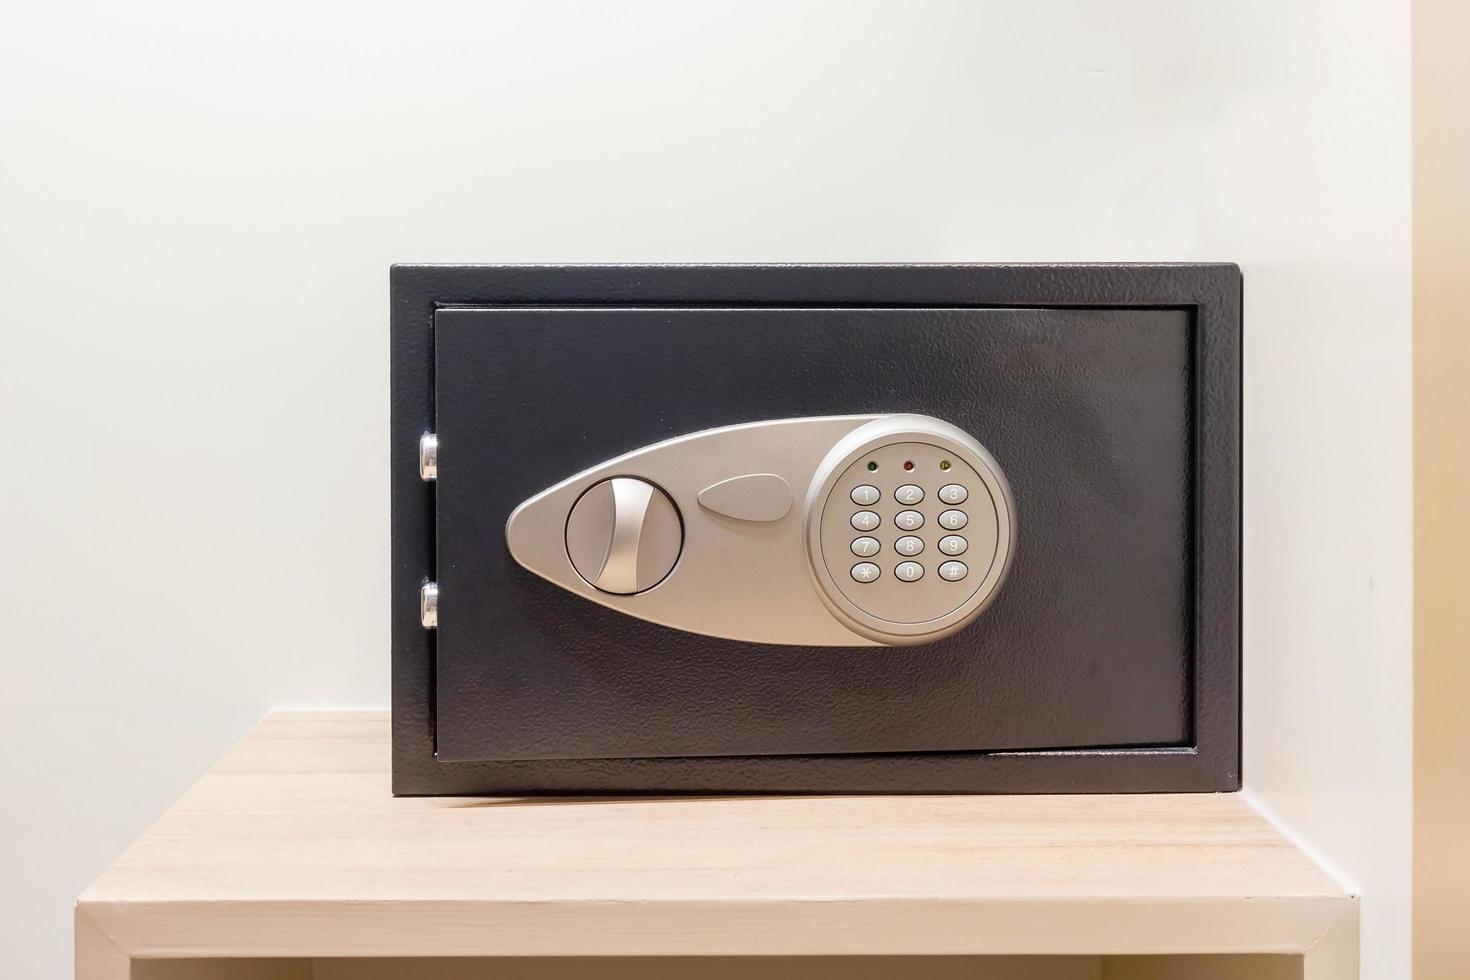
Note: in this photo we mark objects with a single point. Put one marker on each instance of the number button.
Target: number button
(865, 520)
(953, 571)
(865, 571)
(909, 571)
(908, 494)
(865, 496)
(908, 545)
(865, 547)
(952, 520)
(953, 493)
(909, 520)
(953, 544)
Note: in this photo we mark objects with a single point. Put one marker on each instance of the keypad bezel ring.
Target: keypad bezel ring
(887, 431)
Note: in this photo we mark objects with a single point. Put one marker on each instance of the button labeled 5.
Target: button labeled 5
(909, 520)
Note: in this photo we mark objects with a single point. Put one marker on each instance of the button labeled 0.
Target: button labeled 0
(908, 571)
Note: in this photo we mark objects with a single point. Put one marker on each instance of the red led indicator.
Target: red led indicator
(908, 464)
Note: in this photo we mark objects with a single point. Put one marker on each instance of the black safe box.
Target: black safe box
(958, 528)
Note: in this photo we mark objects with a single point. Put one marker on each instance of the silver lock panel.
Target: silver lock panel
(699, 532)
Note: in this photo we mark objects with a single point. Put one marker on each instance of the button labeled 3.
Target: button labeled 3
(953, 493)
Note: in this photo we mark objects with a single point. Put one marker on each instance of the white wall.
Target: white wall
(199, 203)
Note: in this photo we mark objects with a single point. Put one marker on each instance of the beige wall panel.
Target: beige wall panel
(1442, 489)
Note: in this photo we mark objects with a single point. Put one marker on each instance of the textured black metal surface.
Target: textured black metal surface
(1087, 645)
(1202, 714)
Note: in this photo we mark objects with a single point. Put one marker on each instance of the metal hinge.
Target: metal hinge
(428, 472)
(428, 457)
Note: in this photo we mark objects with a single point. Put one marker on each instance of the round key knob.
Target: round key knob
(624, 535)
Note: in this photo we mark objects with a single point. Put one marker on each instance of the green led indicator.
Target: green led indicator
(872, 467)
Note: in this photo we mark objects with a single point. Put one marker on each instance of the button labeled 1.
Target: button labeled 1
(865, 496)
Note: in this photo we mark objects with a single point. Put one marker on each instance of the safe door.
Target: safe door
(699, 537)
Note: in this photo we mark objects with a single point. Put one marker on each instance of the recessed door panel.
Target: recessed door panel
(1087, 643)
